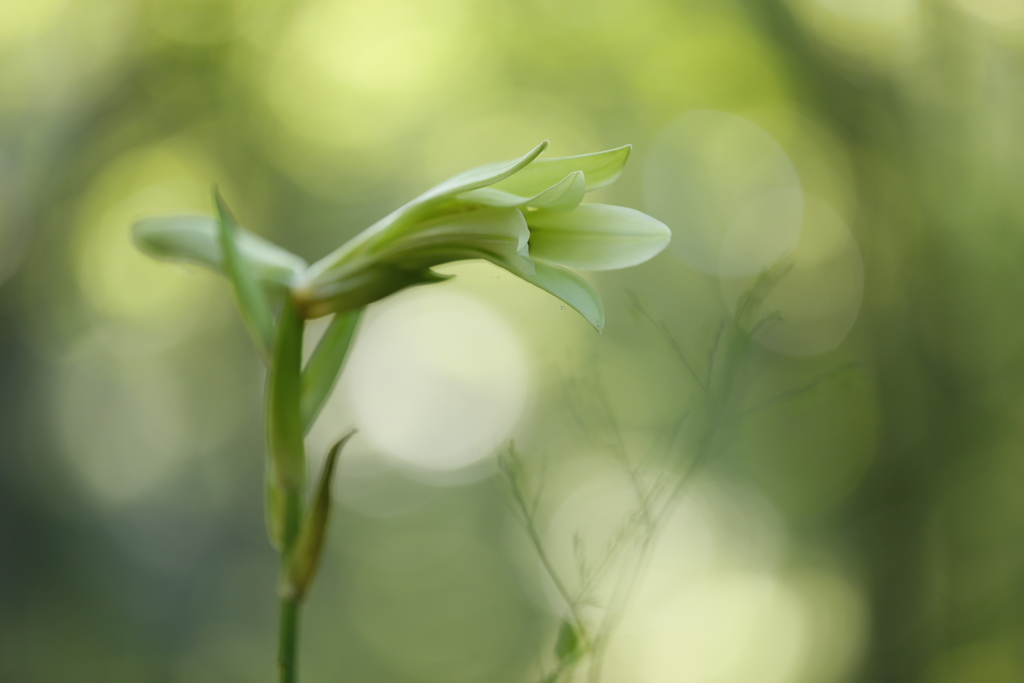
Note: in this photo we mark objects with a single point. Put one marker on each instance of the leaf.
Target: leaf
(570, 288)
(251, 300)
(568, 642)
(305, 558)
(324, 366)
(600, 169)
(596, 237)
(562, 196)
(286, 466)
(194, 239)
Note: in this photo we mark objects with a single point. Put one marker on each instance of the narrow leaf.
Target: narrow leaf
(194, 239)
(324, 366)
(596, 237)
(600, 169)
(305, 558)
(286, 466)
(252, 301)
(568, 642)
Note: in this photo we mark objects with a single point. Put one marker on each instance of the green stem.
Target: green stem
(288, 643)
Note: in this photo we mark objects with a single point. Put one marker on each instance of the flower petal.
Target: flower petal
(596, 237)
(570, 288)
(481, 176)
(600, 169)
(565, 195)
(562, 196)
(496, 234)
(435, 202)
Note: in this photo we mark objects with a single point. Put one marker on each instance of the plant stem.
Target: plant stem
(538, 544)
(288, 643)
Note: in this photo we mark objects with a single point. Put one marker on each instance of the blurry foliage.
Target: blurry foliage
(862, 520)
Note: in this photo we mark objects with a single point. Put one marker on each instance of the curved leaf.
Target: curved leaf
(309, 545)
(324, 366)
(252, 302)
(193, 239)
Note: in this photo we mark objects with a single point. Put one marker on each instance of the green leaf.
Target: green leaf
(568, 642)
(570, 288)
(286, 465)
(562, 196)
(194, 239)
(596, 237)
(252, 302)
(305, 557)
(324, 366)
(600, 169)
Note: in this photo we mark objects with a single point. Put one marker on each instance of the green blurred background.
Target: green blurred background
(862, 516)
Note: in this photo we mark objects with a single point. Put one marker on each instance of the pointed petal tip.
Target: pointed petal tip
(537, 151)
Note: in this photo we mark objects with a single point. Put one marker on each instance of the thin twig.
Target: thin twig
(714, 352)
(810, 386)
(531, 530)
(667, 334)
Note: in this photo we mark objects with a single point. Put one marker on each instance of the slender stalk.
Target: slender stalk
(538, 544)
(706, 447)
(288, 643)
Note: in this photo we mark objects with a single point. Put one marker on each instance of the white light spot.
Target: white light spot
(818, 294)
(1008, 13)
(436, 379)
(122, 425)
(709, 171)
